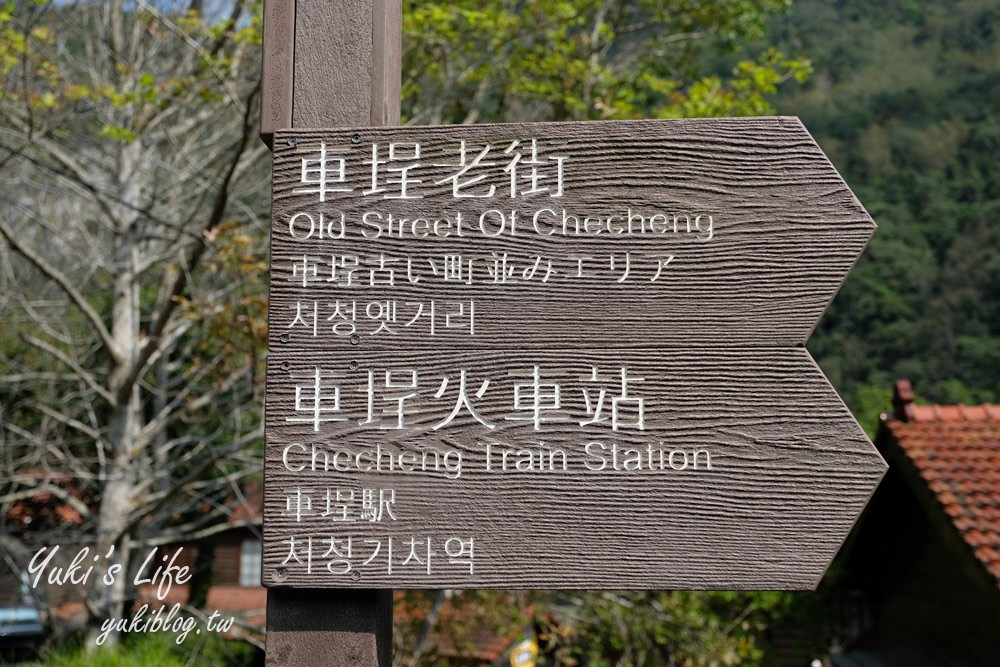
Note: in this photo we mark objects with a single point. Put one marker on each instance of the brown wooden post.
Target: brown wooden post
(311, 72)
(314, 75)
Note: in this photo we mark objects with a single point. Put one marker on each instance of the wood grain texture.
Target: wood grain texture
(277, 67)
(387, 62)
(711, 342)
(785, 232)
(330, 628)
(347, 56)
(314, 71)
(333, 56)
(789, 473)
(331, 64)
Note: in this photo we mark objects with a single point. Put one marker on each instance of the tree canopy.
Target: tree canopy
(911, 121)
(480, 60)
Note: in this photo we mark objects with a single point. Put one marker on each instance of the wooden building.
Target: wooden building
(918, 582)
(226, 567)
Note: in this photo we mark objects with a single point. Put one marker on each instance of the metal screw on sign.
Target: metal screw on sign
(356, 139)
(355, 576)
(354, 365)
(355, 339)
(281, 574)
(291, 141)
(284, 338)
(285, 366)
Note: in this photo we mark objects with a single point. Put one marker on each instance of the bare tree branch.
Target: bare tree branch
(69, 421)
(85, 376)
(131, 148)
(215, 217)
(75, 297)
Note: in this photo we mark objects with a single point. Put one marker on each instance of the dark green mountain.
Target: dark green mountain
(905, 99)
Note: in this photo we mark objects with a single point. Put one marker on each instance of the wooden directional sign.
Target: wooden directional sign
(557, 355)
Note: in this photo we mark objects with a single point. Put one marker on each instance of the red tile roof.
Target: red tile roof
(47, 505)
(956, 451)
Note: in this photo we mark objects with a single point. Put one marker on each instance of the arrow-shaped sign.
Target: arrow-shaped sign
(558, 355)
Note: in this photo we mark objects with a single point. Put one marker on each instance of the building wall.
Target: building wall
(921, 586)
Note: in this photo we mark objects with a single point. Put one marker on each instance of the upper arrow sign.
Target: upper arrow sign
(714, 232)
(557, 354)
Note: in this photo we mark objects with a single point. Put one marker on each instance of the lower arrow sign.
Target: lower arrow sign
(708, 468)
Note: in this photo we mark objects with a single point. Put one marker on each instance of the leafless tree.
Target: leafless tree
(131, 189)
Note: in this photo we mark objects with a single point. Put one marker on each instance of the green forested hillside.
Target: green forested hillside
(905, 99)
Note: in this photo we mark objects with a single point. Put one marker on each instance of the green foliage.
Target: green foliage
(675, 628)
(479, 60)
(147, 650)
(156, 648)
(911, 121)
(870, 402)
(593, 628)
(439, 628)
